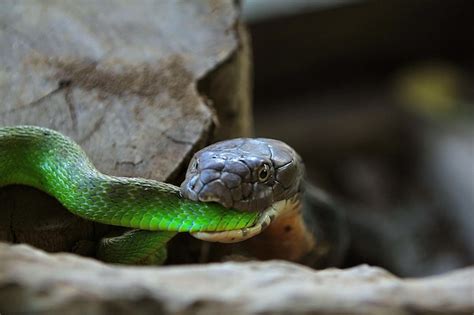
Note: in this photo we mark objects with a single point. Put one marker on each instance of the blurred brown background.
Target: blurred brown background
(377, 97)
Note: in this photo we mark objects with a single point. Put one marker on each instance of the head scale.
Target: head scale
(245, 173)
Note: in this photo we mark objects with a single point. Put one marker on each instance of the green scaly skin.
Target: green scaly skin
(53, 163)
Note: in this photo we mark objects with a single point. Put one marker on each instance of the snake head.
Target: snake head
(248, 174)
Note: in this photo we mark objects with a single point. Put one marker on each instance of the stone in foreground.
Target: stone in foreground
(32, 281)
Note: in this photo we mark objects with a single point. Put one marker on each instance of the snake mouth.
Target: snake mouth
(266, 217)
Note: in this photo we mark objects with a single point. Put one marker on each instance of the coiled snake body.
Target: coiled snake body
(233, 190)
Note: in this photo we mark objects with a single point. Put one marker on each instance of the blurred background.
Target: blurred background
(377, 97)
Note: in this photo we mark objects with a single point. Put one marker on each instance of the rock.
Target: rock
(123, 79)
(32, 281)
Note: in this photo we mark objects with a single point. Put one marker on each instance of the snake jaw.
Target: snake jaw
(266, 218)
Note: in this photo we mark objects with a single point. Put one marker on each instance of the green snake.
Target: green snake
(232, 191)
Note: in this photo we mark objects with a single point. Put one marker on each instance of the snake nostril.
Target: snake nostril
(198, 185)
(192, 182)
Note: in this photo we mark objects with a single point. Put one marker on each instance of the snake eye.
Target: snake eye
(195, 164)
(263, 173)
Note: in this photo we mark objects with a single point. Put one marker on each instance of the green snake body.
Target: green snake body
(55, 164)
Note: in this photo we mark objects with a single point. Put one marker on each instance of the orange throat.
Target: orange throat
(286, 238)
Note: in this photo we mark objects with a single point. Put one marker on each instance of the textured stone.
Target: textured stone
(32, 281)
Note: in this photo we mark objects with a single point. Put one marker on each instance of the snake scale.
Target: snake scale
(232, 191)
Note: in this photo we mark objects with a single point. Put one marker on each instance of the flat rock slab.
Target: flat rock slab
(32, 281)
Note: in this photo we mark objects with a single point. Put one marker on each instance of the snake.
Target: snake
(232, 191)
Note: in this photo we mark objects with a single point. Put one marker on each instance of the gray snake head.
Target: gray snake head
(248, 174)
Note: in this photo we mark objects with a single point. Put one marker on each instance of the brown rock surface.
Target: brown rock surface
(32, 281)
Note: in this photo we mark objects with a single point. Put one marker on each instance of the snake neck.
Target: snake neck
(287, 238)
